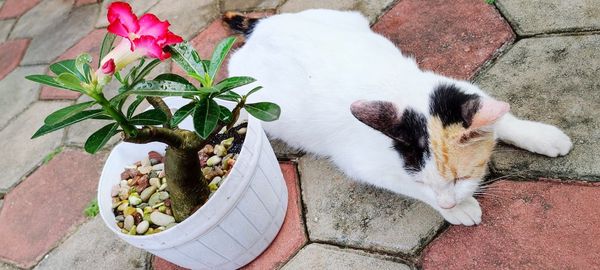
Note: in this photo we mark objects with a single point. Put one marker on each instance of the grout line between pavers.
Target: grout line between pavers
(393, 257)
(384, 11)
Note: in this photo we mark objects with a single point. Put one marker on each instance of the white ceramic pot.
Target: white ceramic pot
(233, 227)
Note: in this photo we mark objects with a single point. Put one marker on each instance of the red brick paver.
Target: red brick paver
(453, 38)
(89, 44)
(16, 8)
(42, 210)
(290, 238)
(11, 53)
(532, 225)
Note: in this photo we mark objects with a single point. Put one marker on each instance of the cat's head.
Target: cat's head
(446, 149)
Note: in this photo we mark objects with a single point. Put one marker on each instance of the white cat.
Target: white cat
(349, 94)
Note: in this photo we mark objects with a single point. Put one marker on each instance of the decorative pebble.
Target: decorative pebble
(142, 227)
(159, 167)
(145, 162)
(163, 195)
(145, 169)
(219, 151)
(216, 180)
(241, 131)
(161, 219)
(162, 187)
(212, 161)
(128, 223)
(114, 191)
(161, 174)
(134, 200)
(120, 218)
(124, 184)
(123, 206)
(227, 142)
(146, 193)
(154, 199)
(155, 182)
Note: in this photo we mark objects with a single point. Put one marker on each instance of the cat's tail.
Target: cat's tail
(239, 22)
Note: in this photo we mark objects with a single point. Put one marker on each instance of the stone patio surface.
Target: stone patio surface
(541, 56)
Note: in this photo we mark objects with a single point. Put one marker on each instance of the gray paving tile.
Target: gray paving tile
(5, 27)
(247, 5)
(187, 17)
(56, 39)
(554, 80)
(94, 246)
(17, 92)
(25, 153)
(319, 256)
(371, 9)
(41, 18)
(346, 212)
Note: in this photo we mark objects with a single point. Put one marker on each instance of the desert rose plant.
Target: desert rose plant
(145, 42)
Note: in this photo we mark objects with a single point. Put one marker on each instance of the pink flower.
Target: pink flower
(109, 67)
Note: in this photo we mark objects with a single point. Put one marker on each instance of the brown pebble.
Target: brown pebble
(139, 163)
(142, 183)
(128, 173)
(156, 156)
(137, 218)
(208, 149)
(167, 202)
(203, 159)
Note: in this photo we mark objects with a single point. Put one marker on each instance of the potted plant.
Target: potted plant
(177, 209)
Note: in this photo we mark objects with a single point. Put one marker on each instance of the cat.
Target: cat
(350, 95)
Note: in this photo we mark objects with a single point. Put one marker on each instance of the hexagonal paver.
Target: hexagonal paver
(89, 44)
(39, 212)
(554, 80)
(345, 212)
(26, 154)
(84, 2)
(371, 9)
(319, 256)
(41, 17)
(139, 7)
(245, 5)
(15, 8)
(526, 225)
(56, 39)
(17, 93)
(5, 26)
(11, 53)
(288, 241)
(106, 252)
(187, 17)
(454, 38)
(551, 16)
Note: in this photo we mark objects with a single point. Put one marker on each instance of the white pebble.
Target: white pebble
(159, 167)
(142, 227)
(161, 219)
(146, 162)
(134, 200)
(124, 183)
(162, 187)
(128, 223)
(212, 161)
(115, 190)
(242, 131)
(146, 193)
(216, 180)
(155, 182)
(145, 169)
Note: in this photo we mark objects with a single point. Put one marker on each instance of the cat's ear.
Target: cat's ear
(484, 111)
(380, 115)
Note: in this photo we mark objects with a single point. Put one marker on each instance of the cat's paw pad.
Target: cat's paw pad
(549, 141)
(467, 213)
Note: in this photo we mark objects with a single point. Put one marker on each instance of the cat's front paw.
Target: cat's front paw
(467, 213)
(548, 140)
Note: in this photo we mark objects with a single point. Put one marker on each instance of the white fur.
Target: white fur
(315, 63)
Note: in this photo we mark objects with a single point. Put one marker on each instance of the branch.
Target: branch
(160, 104)
(149, 134)
(235, 114)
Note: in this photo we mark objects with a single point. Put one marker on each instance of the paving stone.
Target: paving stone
(188, 17)
(5, 27)
(25, 153)
(41, 18)
(550, 16)
(15, 8)
(554, 80)
(17, 92)
(345, 212)
(11, 53)
(94, 246)
(454, 38)
(89, 44)
(85, 2)
(288, 241)
(4, 266)
(48, 45)
(139, 8)
(1, 203)
(246, 5)
(319, 256)
(371, 9)
(42, 210)
(547, 225)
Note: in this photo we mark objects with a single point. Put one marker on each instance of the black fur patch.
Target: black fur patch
(411, 140)
(453, 106)
(240, 23)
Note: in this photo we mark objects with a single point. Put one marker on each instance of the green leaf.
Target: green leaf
(182, 113)
(265, 111)
(70, 81)
(230, 96)
(67, 112)
(163, 86)
(254, 90)
(82, 64)
(233, 82)
(149, 117)
(219, 55)
(67, 66)
(172, 77)
(131, 110)
(45, 129)
(187, 58)
(47, 80)
(106, 46)
(206, 117)
(100, 138)
(149, 67)
(225, 114)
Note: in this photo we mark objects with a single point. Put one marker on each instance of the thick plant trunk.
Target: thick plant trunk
(186, 184)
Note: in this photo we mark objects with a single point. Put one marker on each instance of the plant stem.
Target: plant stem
(159, 103)
(129, 129)
(235, 114)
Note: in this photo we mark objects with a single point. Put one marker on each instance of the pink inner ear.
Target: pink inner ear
(489, 112)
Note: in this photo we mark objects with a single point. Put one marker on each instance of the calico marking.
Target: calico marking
(453, 106)
(240, 23)
(413, 145)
